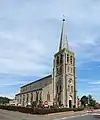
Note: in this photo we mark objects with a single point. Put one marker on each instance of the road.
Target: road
(10, 115)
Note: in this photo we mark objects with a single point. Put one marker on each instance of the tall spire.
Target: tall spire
(63, 39)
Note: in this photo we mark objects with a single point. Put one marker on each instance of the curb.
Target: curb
(72, 113)
(67, 113)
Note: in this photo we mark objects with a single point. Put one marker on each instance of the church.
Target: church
(59, 88)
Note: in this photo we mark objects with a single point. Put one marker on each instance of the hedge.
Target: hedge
(39, 110)
(97, 107)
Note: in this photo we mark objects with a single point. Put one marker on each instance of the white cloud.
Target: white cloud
(30, 32)
(29, 39)
(83, 80)
(95, 83)
(86, 69)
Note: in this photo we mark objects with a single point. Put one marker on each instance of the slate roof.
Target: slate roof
(38, 84)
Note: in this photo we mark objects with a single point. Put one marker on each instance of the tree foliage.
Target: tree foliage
(91, 101)
(84, 100)
(88, 100)
(4, 100)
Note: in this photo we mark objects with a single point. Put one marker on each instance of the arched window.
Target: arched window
(31, 97)
(36, 96)
(57, 60)
(61, 59)
(40, 95)
(67, 58)
(71, 88)
(27, 97)
(48, 96)
(70, 59)
(68, 88)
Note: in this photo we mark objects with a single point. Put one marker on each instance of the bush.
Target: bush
(17, 108)
(39, 110)
(9, 108)
(51, 110)
(97, 107)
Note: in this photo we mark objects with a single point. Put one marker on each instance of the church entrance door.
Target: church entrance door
(70, 103)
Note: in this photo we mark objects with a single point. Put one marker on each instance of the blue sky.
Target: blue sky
(30, 35)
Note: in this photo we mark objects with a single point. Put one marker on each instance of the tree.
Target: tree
(4, 100)
(88, 100)
(91, 101)
(84, 100)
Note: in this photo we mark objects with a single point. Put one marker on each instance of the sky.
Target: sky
(30, 36)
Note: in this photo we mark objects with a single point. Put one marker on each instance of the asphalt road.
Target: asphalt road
(10, 115)
(87, 117)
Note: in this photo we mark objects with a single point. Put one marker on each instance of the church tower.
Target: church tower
(64, 74)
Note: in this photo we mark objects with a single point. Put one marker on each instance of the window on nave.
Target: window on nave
(31, 97)
(36, 96)
(40, 95)
(48, 96)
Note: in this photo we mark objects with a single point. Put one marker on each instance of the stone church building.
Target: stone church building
(58, 88)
